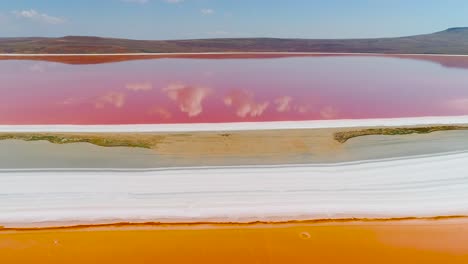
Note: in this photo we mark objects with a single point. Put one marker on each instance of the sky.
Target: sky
(188, 19)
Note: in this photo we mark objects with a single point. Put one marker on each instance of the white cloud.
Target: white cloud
(218, 33)
(173, 1)
(33, 15)
(245, 103)
(137, 87)
(188, 98)
(207, 11)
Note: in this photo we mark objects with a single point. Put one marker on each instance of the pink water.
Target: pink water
(230, 90)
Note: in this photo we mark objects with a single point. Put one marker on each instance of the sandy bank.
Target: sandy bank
(266, 147)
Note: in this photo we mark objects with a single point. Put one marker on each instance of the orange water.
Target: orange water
(440, 241)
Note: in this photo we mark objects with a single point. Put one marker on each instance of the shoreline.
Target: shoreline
(151, 140)
(172, 150)
(224, 53)
(446, 60)
(243, 126)
(231, 224)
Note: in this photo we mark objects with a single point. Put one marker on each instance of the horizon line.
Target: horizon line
(224, 53)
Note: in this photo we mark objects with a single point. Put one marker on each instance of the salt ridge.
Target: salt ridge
(243, 126)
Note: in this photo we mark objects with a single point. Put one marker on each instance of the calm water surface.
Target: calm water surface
(230, 90)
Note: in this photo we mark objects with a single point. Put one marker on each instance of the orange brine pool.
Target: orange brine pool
(420, 241)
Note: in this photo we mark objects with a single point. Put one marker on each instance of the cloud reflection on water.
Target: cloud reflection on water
(116, 99)
(139, 86)
(329, 112)
(244, 103)
(283, 103)
(188, 98)
(458, 104)
(160, 112)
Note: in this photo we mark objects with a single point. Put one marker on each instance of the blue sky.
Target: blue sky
(185, 19)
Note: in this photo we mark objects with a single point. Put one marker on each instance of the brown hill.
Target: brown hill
(450, 41)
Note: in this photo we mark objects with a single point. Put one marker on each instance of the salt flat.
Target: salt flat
(428, 185)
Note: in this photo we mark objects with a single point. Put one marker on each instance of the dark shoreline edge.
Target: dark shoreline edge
(231, 223)
(344, 136)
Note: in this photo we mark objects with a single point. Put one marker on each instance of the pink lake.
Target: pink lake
(201, 90)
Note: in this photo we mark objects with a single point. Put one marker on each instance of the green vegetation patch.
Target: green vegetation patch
(103, 141)
(344, 136)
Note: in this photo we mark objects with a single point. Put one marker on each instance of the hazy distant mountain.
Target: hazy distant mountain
(450, 41)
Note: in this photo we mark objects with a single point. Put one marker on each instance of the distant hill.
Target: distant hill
(450, 41)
